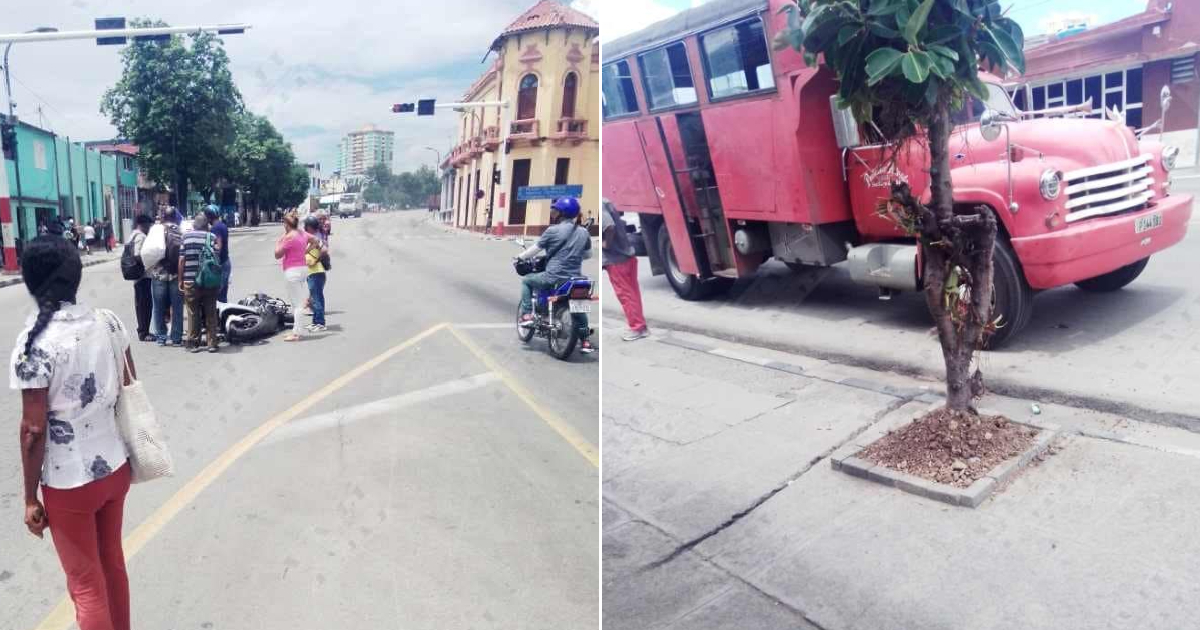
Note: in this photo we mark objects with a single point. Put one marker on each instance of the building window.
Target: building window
(527, 97)
(570, 87)
(667, 77)
(1120, 90)
(617, 93)
(736, 59)
(562, 168)
(1183, 69)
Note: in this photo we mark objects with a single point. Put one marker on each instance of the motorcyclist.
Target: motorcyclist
(566, 245)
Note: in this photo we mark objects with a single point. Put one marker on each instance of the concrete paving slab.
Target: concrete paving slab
(734, 607)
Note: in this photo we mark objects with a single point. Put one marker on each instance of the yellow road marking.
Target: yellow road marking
(566, 431)
(63, 615)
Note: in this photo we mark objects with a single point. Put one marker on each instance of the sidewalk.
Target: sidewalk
(721, 509)
(95, 258)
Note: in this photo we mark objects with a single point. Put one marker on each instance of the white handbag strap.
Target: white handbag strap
(122, 363)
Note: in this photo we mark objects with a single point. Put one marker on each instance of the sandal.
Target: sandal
(292, 338)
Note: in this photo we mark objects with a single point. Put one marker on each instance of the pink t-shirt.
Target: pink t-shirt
(293, 250)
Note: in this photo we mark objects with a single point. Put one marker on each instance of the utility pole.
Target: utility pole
(103, 36)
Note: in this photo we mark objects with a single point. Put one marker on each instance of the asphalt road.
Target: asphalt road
(465, 496)
(1133, 352)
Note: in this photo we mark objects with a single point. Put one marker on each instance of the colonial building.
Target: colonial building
(547, 67)
(1123, 65)
(362, 149)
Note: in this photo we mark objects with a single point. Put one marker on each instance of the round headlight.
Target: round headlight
(1169, 156)
(1051, 185)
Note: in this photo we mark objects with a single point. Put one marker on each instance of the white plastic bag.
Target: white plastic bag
(155, 246)
(137, 423)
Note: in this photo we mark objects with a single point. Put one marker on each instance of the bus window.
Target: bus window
(736, 59)
(618, 94)
(667, 77)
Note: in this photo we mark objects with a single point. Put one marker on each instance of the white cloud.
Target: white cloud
(309, 65)
(621, 17)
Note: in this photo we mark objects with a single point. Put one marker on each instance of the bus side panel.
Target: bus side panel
(819, 194)
(683, 178)
(627, 181)
(655, 156)
(741, 141)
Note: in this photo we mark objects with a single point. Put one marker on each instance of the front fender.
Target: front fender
(988, 184)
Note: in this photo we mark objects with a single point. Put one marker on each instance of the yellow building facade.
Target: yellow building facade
(547, 68)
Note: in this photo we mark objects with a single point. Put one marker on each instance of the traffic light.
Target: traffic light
(402, 108)
(495, 175)
(425, 106)
(8, 137)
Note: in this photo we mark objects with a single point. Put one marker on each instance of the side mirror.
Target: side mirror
(991, 123)
(845, 127)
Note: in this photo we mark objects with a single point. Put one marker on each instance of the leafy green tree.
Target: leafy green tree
(264, 166)
(909, 64)
(178, 103)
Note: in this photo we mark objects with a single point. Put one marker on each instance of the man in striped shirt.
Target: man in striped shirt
(200, 302)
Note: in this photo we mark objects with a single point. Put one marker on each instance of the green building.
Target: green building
(53, 177)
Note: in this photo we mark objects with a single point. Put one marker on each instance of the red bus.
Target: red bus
(733, 153)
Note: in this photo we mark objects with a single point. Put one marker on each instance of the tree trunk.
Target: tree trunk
(956, 249)
(181, 191)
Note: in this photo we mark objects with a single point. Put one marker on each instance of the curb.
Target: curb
(846, 460)
(17, 279)
(996, 383)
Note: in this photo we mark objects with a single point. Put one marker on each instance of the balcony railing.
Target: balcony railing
(572, 129)
(491, 138)
(524, 129)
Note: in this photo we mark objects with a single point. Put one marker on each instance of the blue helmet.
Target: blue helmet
(566, 206)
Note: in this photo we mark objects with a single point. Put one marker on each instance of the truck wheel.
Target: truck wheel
(686, 285)
(1114, 280)
(1013, 299)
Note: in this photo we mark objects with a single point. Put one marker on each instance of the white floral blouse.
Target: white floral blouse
(75, 359)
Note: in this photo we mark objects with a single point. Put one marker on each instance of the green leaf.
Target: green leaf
(916, 66)
(902, 16)
(1012, 53)
(882, 63)
(884, 7)
(942, 34)
(847, 33)
(917, 21)
(882, 31)
(944, 52)
(977, 88)
(931, 91)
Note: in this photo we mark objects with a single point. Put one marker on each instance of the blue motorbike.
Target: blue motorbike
(554, 311)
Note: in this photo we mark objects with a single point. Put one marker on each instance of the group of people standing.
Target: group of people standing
(304, 255)
(169, 286)
(99, 232)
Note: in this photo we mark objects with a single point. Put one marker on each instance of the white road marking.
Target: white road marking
(341, 417)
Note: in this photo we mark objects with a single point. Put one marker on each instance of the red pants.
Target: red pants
(624, 279)
(85, 523)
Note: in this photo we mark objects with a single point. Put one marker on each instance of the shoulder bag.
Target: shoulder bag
(137, 423)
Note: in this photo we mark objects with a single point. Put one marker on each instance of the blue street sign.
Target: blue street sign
(530, 193)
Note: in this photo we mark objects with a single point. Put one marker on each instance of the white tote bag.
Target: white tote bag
(155, 246)
(138, 425)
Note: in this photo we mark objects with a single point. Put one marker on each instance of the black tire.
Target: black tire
(1013, 299)
(525, 334)
(686, 285)
(250, 327)
(563, 336)
(1114, 280)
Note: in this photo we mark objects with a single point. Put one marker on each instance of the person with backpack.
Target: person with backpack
(134, 269)
(220, 230)
(164, 285)
(200, 281)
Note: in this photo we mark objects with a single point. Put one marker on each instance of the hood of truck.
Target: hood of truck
(1065, 144)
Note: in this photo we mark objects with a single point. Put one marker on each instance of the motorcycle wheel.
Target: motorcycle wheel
(563, 335)
(248, 328)
(525, 334)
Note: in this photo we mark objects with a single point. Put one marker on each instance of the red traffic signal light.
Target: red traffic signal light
(403, 108)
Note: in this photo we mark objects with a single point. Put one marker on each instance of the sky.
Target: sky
(621, 17)
(316, 68)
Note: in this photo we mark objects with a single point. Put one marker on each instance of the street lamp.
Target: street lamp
(7, 83)
(439, 157)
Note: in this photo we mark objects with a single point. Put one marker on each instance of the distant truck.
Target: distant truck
(351, 205)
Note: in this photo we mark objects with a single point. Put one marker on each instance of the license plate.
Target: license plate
(581, 306)
(1147, 222)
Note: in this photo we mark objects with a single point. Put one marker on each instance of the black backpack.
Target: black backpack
(132, 267)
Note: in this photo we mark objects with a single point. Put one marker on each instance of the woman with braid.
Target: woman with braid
(65, 364)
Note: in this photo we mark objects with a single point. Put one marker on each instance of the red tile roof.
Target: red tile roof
(547, 14)
(125, 147)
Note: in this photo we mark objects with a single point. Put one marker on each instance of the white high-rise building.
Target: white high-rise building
(362, 149)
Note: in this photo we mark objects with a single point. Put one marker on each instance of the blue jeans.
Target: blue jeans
(316, 293)
(165, 294)
(226, 271)
(541, 280)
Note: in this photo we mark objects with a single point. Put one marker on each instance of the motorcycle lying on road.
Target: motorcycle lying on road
(252, 318)
(552, 309)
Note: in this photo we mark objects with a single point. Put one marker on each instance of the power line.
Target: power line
(36, 95)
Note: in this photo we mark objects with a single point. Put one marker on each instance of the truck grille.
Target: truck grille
(1109, 188)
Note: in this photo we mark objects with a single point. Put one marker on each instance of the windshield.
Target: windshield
(972, 109)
